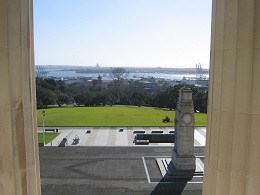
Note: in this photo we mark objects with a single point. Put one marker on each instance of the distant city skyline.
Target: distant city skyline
(128, 33)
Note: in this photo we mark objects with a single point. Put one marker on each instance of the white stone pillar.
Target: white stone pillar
(183, 153)
(232, 163)
(19, 161)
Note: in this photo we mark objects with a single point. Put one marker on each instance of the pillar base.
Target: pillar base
(184, 162)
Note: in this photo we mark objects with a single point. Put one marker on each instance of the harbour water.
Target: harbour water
(65, 74)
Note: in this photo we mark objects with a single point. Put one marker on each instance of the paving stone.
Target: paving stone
(107, 170)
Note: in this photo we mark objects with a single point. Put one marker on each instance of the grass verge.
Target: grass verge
(48, 137)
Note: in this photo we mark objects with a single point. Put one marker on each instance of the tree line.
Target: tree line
(120, 91)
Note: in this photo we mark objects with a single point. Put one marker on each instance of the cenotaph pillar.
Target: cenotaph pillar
(183, 153)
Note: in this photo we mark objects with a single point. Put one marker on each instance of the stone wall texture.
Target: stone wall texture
(19, 159)
(233, 134)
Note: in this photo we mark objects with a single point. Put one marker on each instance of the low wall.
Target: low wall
(156, 138)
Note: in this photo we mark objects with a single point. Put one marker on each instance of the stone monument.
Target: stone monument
(182, 164)
(183, 153)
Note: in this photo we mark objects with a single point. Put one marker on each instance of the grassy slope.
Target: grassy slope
(110, 116)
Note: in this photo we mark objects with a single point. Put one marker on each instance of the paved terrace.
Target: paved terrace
(112, 170)
(112, 164)
(111, 136)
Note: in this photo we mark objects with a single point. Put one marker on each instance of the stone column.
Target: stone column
(183, 152)
(232, 163)
(19, 161)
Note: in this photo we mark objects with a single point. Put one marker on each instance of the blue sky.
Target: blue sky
(143, 33)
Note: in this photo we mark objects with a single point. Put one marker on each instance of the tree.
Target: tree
(119, 73)
(61, 86)
(85, 98)
(47, 83)
(80, 98)
(75, 88)
(168, 98)
(200, 101)
(138, 98)
(97, 84)
(45, 97)
(90, 98)
(102, 98)
(100, 80)
(63, 98)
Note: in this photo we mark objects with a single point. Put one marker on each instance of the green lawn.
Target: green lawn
(48, 137)
(110, 116)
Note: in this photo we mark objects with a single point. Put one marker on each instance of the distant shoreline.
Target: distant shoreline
(84, 70)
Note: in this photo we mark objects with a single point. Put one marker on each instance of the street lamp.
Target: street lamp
(43, 130)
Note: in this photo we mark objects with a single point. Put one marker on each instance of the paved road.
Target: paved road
(111, 136)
